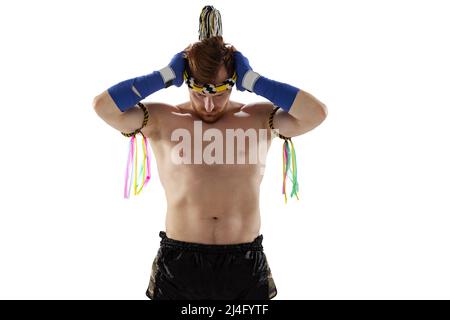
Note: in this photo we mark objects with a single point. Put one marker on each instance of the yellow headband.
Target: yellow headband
(209, 88)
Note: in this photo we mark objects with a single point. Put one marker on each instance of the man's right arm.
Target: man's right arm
(127, 121)
(117, 105)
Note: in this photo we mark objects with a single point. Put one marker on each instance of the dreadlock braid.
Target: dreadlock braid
(210, 23)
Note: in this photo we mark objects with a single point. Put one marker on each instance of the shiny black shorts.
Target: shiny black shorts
(191, 271)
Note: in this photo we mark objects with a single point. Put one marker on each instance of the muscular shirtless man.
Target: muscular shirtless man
(211, 248)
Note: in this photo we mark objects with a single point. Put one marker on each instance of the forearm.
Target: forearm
(126, 94)
(298, 103)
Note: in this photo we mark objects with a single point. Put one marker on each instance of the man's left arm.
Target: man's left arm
(301, 111)
(305, 114)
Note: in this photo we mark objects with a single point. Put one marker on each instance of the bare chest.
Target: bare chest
(233, 147)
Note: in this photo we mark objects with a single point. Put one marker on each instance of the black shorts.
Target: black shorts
(192, 271)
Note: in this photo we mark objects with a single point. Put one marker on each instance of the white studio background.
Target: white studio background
(373, 218)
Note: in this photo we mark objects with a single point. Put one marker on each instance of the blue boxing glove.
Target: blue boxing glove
(280, 94)
(129, 92)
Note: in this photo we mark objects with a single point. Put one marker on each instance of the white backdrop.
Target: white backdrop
(373, 218)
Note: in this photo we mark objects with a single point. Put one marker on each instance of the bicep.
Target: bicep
(289, 126)
(133, 119)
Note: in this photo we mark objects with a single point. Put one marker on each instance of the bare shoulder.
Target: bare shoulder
(258, 108)
(159, 108)
(158, 112)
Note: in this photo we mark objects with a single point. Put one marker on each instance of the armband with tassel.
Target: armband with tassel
(132, 162)
(289, 161)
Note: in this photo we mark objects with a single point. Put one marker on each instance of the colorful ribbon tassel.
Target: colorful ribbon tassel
(144, 171)
(289, 168)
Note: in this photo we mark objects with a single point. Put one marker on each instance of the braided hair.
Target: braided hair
(210, 23)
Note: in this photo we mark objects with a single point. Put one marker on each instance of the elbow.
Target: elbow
(324, 110)
(321, 112)
(99, 104)
(96, 102)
